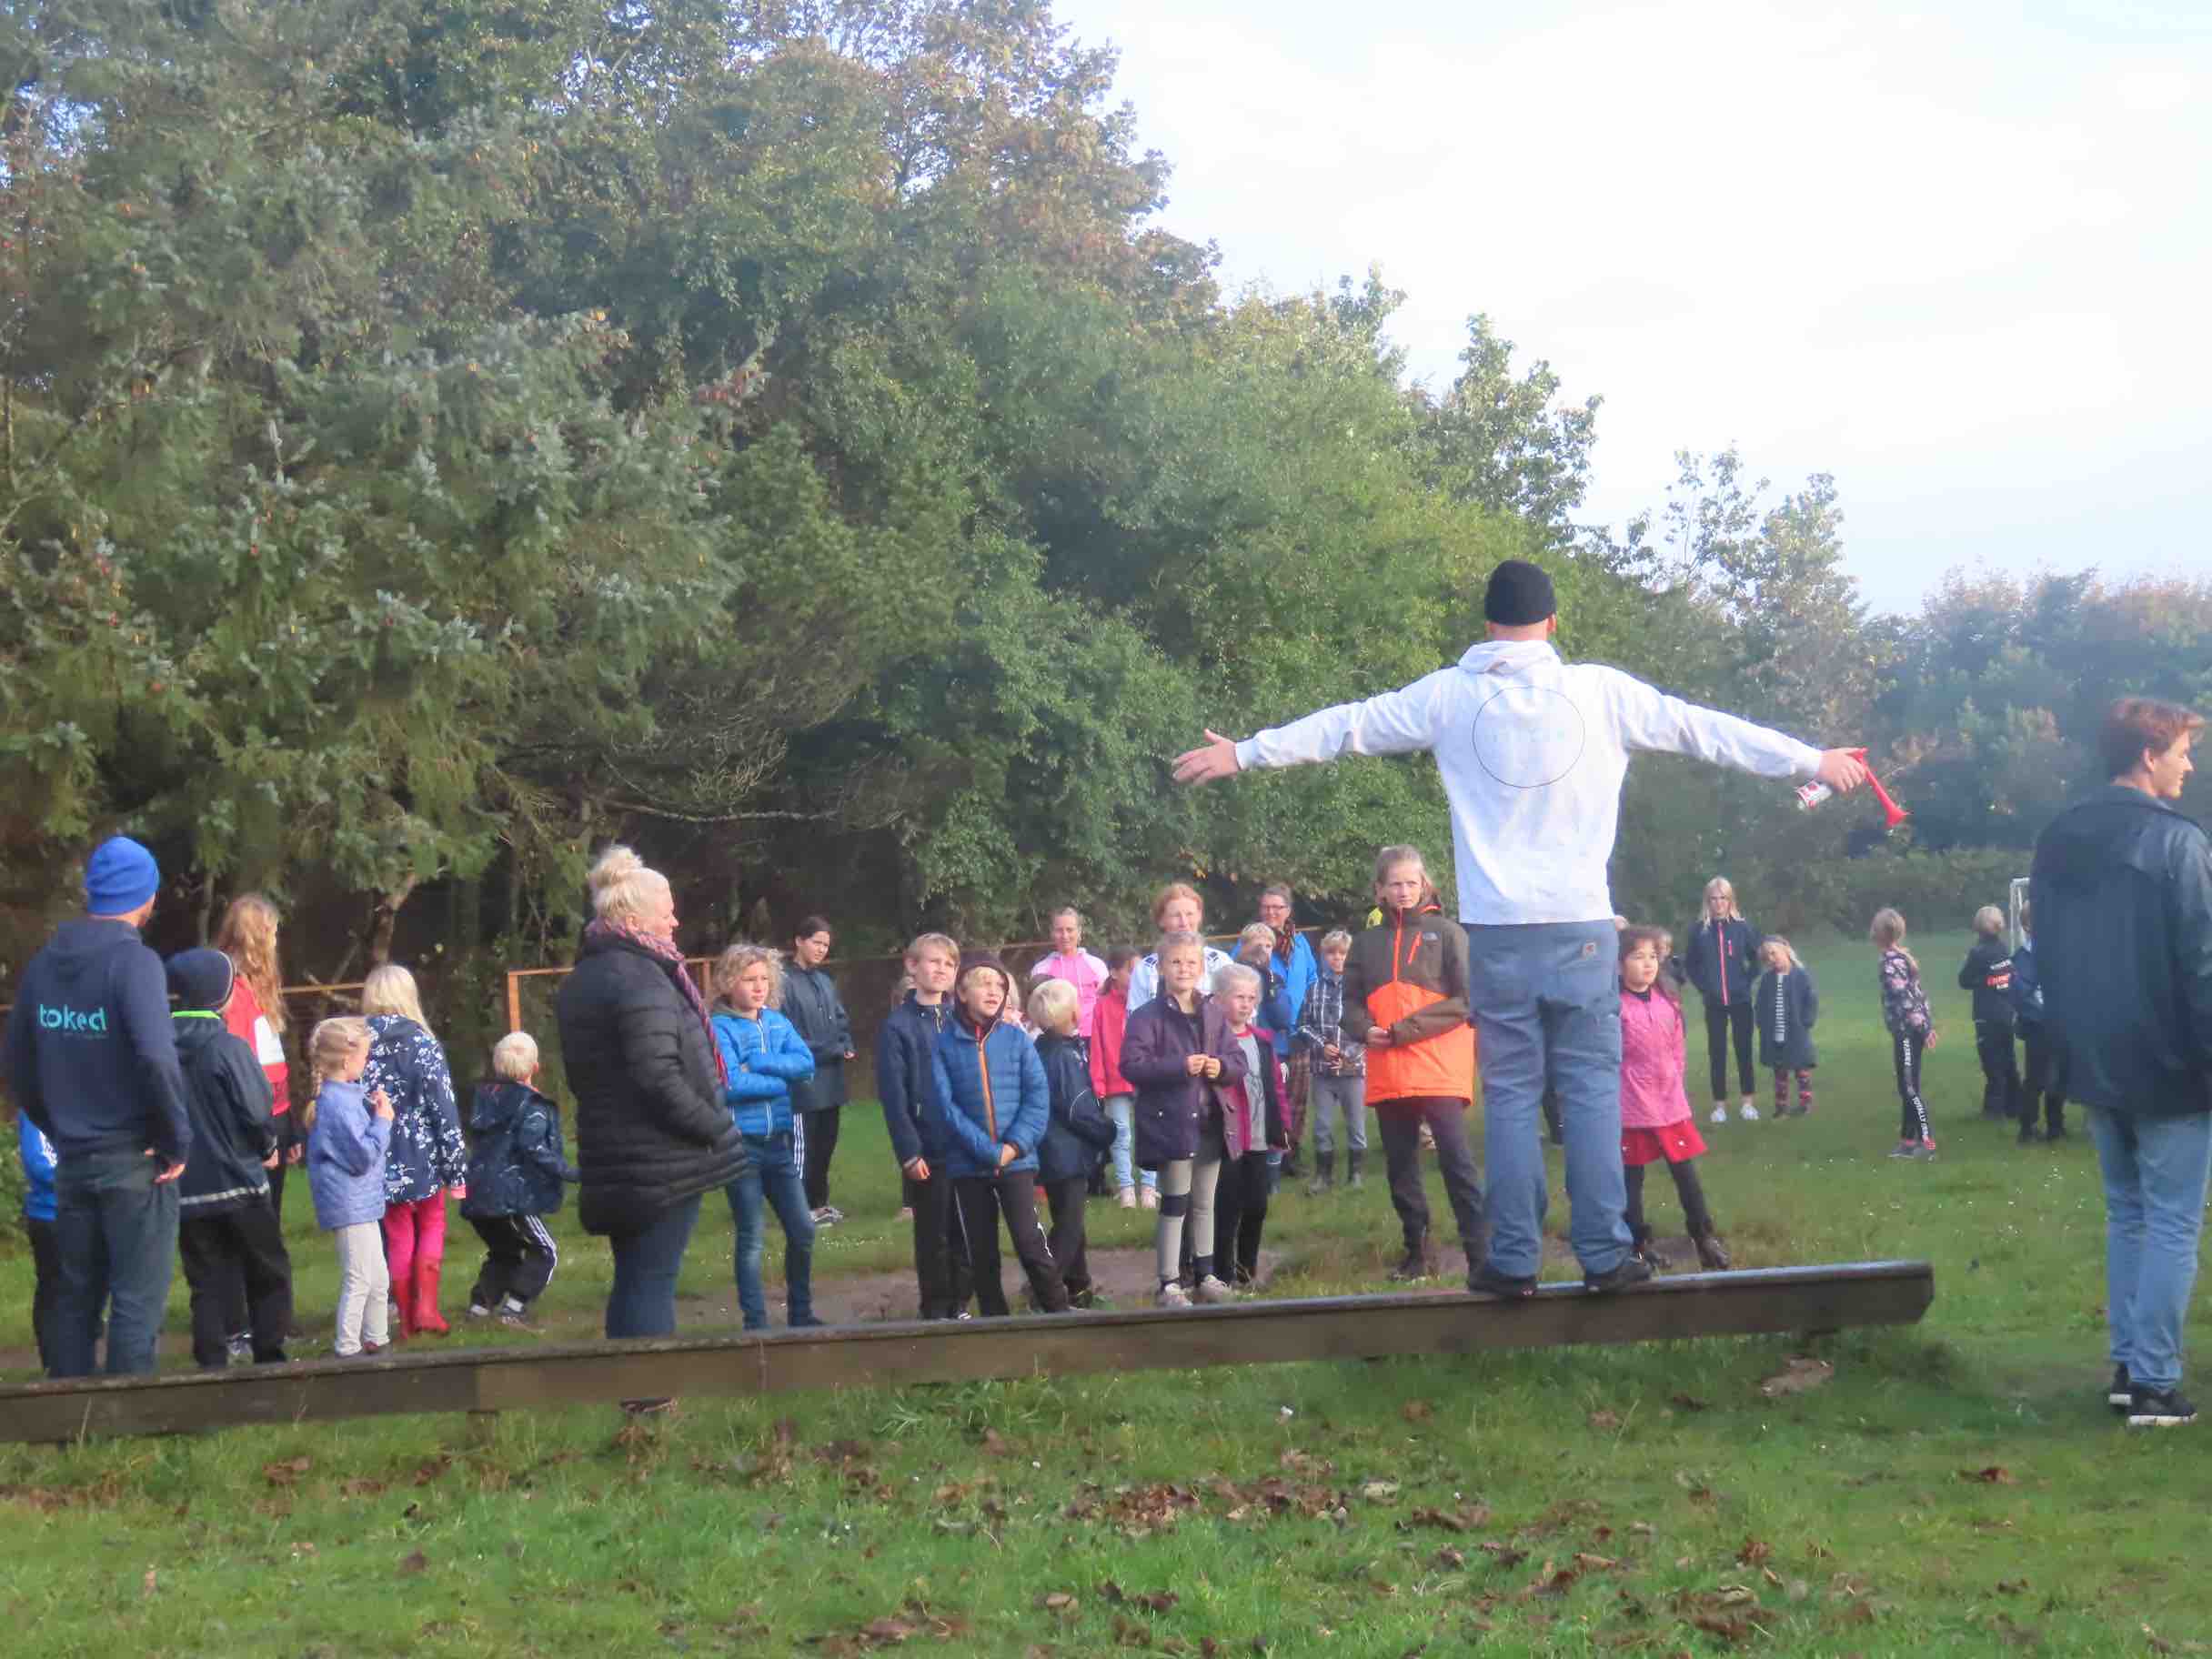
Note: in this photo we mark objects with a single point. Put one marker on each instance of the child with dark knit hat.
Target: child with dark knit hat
(228, 1236)
(988, 1107)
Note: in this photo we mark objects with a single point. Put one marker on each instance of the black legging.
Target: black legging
(1720, 1019)
(1687, 1186)
(1905, 1049)
(821, 1127)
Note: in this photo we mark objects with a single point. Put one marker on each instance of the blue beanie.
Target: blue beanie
(120, 876)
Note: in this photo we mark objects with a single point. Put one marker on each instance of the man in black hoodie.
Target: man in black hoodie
(2122, 891)
(91, 1059)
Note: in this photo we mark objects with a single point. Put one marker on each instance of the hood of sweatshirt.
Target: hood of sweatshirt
(77, 955)
(496, 1105)
(196, 1032)
(1507, 656)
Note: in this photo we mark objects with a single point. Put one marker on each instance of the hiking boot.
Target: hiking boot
(1211, 1291)
(2122, 1393)
(2160, 1408)
(1631, 1273)
(1487, 1281)
(1172, 1295)
(1711, 1254)
(1324, 1174)
(1354, 1177)
(1420, 1264)
(1645, 1249)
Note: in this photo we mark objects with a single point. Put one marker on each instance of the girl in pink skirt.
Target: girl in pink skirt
(1655, 1120)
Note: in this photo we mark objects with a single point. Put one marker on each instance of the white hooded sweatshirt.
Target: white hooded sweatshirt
(1533, 752)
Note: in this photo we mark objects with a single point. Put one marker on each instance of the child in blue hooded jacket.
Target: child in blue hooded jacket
(38, 1155)
(764, 1055)
(988, 1107)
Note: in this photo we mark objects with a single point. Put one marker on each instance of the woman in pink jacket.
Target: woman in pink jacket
(1655, 1120)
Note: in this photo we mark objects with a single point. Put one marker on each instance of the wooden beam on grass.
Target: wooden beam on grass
(893, 1355)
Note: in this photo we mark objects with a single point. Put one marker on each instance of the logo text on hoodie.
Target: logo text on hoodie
(73, 1022)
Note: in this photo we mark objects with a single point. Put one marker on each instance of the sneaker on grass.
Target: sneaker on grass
(1720, 1112)
(1172, 1295)
(2160, 1408)
(2122, 1392)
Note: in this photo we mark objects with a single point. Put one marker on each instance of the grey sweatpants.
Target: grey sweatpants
(364, 1286)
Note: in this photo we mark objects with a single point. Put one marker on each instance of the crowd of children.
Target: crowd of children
(1174, 1079)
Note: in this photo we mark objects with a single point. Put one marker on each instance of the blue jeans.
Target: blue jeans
(642, 1301)
(772, 1175)
(2155, 1175)
(1122, 1110)
(1547, 1007)
(115, 1232)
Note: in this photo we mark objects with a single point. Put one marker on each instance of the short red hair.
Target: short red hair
(2135, 725)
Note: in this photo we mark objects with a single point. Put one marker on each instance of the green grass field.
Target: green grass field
(1958, 1488)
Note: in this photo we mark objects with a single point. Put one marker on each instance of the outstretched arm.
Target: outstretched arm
(1651, 719)
(1396, 723)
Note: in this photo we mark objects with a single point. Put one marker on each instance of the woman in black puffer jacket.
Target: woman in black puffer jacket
(653, 1132)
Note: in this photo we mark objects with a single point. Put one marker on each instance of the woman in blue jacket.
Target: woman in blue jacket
(988, 1107)
(764, 1055)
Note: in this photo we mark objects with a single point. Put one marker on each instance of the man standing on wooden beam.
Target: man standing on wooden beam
(1533, 751)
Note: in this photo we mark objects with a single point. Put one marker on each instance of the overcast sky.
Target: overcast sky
(1961, 260)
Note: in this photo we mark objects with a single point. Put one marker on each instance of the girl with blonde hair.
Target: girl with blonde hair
(1721, 961)
(1788, 1003)
(349, 1131)
(254, 1015)
(764, 1056)
(428, 1158)
(1912, 1031)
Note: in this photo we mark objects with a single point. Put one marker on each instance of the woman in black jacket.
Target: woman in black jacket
(1723, 960)
(812, 1003)
(652, 1130)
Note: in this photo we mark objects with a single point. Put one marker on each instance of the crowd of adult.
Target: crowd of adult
(1532, 753)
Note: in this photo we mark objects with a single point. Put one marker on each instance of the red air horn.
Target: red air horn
(1810, 795)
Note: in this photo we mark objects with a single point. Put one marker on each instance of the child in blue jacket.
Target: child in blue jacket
(988, 1107)
(38, 1155)
(1077, 1132)
(764, 1055)
(514, 1178)
(350, 1133)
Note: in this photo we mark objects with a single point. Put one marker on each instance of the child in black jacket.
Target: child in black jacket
(515, 1175)
(1077, 1132)
(1787, 1003)
(1987, 973)
(227, 1236)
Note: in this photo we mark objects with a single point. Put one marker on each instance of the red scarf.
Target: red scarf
(672, 960)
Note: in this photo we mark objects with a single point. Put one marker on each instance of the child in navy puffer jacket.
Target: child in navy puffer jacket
(1077, 1132)
(988, 1107)
(515, 1175)
(764, 1055)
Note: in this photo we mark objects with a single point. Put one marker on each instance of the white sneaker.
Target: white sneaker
(1751, 1113)
(1129, 1198)
(1172, 1295)
(1211, 1289)
(1720, 1114)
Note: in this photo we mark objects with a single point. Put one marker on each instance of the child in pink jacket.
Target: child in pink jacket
(1655, 1120)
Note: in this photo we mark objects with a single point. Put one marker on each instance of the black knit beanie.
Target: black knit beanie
(1518, 595)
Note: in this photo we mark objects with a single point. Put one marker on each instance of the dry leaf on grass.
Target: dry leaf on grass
(416, 1562)
(1378, 1491)
(1604, 1422)
(1451, 1521)
(1755, 1551)
(284, 1473)
(1796, 1376)
(1996, 1474)
(1417, 1411)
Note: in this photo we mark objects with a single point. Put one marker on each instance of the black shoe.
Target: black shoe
(2160, 1408)
(2122, 1393)
(1631, 1273)
(2027, 1135)
(1487, 1281)
(2058, 1134)
(1420, 1264)
(1711, 1254)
